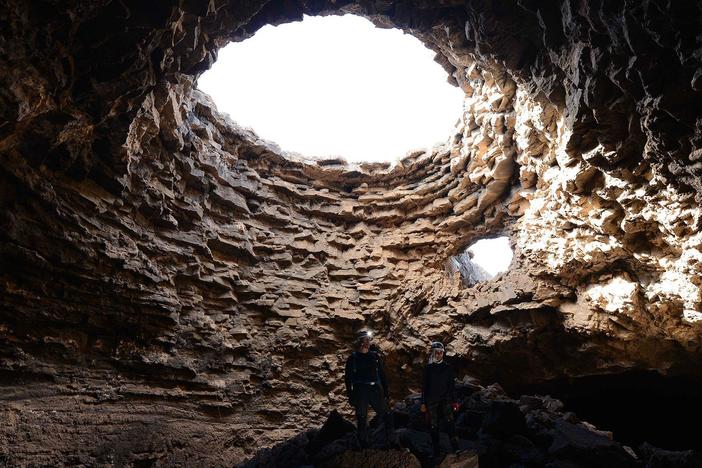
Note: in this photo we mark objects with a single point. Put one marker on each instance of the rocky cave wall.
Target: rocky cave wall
(175, 288)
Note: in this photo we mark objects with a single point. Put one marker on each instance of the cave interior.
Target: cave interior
(173, 287)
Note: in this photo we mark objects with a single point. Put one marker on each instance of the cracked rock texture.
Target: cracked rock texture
(175, 290)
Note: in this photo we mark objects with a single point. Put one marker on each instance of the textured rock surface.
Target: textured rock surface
(172, 287)
(471, 273)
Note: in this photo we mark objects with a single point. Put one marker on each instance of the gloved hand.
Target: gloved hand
(456, 406)
(423, 408)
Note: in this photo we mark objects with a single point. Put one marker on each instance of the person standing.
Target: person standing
(366, 385)
(438, 397)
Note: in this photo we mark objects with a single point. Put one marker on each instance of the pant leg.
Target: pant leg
(446, 416)
(434, 410)
(377, 400)
(361, 403)
(379, 405)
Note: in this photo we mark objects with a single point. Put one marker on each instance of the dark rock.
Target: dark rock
(523, 451)
(654, 457)
(374, 459)
(578, 444)
(333, 428)
(418, 442)
(334, 448)
(288, 454)
(469, 418)
(504, 418)
(461, 460)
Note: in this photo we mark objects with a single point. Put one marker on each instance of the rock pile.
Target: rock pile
(494, 431)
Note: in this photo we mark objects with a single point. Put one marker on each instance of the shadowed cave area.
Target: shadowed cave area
(177, 291)
(637, 406)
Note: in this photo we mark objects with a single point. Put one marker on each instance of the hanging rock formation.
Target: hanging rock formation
(173, 288)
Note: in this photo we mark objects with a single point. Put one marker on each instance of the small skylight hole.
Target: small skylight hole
(482, 260)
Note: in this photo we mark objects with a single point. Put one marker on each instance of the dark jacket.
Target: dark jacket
(365, 368)
(438, 383)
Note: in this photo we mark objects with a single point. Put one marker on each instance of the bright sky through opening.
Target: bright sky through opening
(336, 86)
(494, 255)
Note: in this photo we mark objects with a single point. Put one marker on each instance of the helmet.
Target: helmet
(437, 345)
(363, 335)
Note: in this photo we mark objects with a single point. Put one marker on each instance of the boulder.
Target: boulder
(576, 443)
(504, 418)
(460, 460)
(654, 457)
(333, 428)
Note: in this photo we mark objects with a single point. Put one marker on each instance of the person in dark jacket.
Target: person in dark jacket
(366, 385)
(438, 398)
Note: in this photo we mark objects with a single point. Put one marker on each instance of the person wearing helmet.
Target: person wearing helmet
(366, 385)
(438, 399)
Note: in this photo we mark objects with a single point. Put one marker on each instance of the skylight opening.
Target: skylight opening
(336, 86)
(482, 260)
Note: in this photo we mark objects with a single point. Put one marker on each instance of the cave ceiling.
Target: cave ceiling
(162, 267)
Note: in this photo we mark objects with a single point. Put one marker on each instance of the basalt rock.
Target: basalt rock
(174, 288)
(546, 437)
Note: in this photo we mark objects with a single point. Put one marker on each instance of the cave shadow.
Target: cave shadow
(636, 406)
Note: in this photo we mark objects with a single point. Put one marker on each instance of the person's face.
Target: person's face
(364, 345)
(438, 354)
